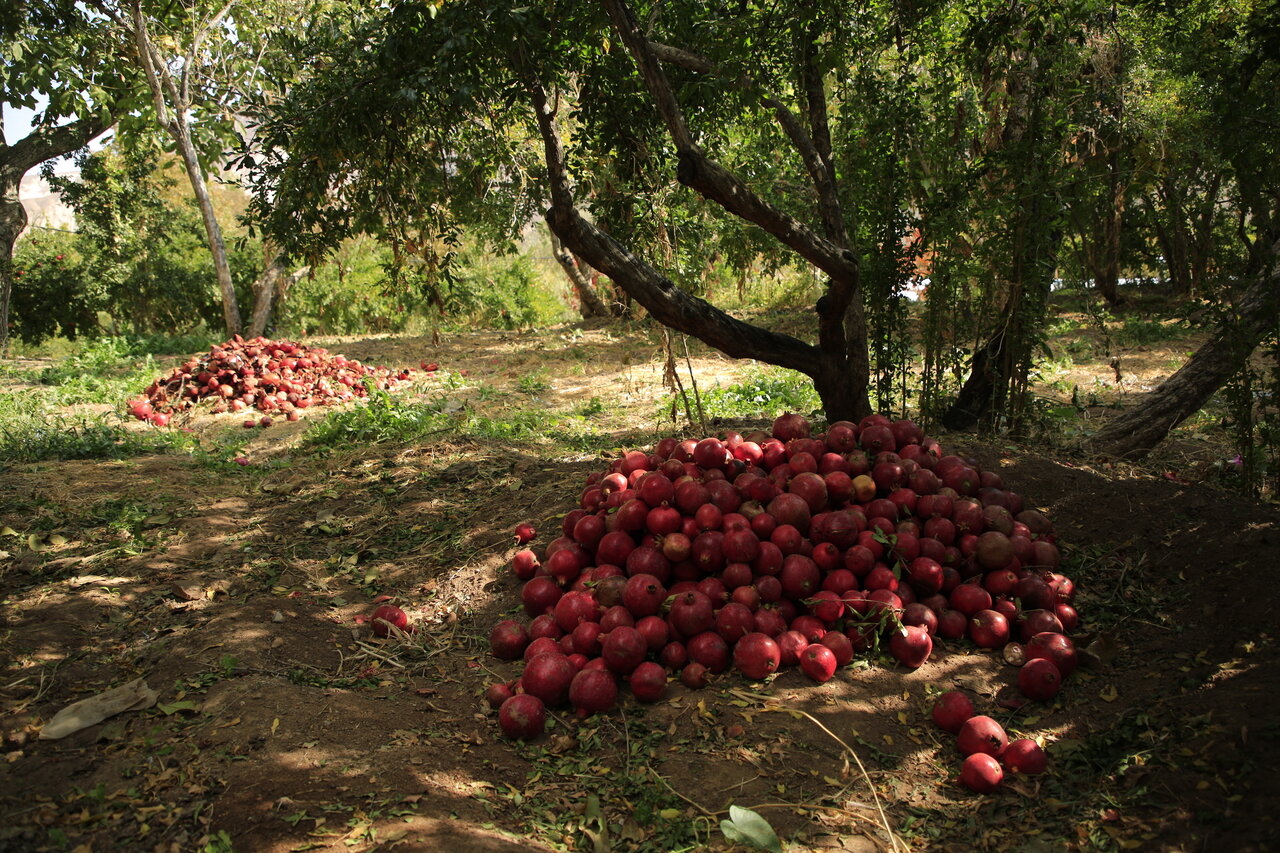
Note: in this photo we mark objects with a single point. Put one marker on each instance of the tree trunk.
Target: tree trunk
(217, 247)
(176, 125)
(588, 299)
(43, 143)
(13, 218)
(1137, 431)
(1108, 273)
(264, 293)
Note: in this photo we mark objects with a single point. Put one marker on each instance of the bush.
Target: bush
(53, 292)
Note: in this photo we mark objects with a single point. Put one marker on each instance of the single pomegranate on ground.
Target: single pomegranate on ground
(1025, 756)
(982, 734)
(522, 717)
(981, 773)
(952, 710)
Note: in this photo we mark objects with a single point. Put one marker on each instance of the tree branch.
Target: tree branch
(153, 70)
(662, 298)
(197, 39)
(713, 181)
(44, 143)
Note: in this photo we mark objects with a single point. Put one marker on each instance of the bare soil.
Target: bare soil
(241, 594)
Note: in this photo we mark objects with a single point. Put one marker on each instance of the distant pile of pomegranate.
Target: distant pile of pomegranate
(263, 375)
(766, 551)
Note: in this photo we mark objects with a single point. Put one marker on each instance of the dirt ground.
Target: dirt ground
(241, 595)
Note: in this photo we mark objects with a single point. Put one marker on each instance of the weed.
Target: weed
(1136, 331)
(533, 383)
(768, 393)
(31, 431)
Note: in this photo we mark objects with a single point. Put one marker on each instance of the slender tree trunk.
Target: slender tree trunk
(176, 125)
(587, 296)
(217, 246)
(1137, 431)
(1108, 274)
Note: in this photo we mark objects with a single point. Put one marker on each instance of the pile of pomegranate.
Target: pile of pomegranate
(260, 374)
(767, 551)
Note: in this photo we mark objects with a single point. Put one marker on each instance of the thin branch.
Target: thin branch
(197, 39)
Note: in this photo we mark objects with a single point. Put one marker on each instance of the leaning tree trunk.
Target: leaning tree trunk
(43, 143)
(587, 296)
(1136, 432)
(175, 124)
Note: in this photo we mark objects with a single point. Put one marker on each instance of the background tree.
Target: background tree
(203, 63)
(78, 64)
(1235, 64)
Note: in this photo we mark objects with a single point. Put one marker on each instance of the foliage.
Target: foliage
(138, 254)
(56, 293)
(768, 394)
(363, 288)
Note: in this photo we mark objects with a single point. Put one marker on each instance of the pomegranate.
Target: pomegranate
(988, 629)
(547, 677)
(673, 655)
(790, 645)
(981, 773)
(508, 639)
(757, 656)
(910, 645)
(1056, 647)
(952, 710)
(818, 662)
(540, 595)
(982, 734)
(840, 646)
(498, 693)
(734, 621)
(593, 691)
(623, 649)
(648, 681)
(1025, 756)
(1039, 679)
(644, 595)
(522, 717)
(525, 532)
(710, 650)
(694, 676)
(387, 616)
(691, 613)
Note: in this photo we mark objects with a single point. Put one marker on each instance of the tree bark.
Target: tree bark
(1136, 432)
(43, 143)
(176, 125)
(264, 294)
(588, 299)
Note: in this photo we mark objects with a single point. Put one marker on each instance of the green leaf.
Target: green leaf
(175, 707)
(746, 827)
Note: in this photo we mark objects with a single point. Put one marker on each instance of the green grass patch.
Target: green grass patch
(1137, 331)
(384, 418)
(32, 431)
(770, 392)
